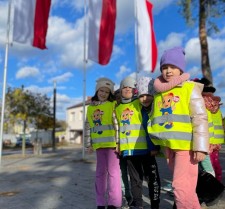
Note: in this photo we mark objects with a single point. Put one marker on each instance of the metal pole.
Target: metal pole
(4, 80)
(136, 37)
(54, 117)
(84, 79)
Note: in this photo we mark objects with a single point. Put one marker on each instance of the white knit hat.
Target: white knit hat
(105, 82)
(143, 85)
(128, 82)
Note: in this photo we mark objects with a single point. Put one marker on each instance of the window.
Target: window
(72, 116)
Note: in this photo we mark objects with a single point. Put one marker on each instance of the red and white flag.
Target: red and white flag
(30, 22)
(102, 22)
(146, 42)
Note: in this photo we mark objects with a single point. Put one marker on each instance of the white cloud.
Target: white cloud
(41, 90)
(61, 78)
(123, 70)
(26, 72)
(67, 40)
(63, 102)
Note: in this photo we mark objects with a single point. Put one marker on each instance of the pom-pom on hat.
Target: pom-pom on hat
(105, 82)
(208, 87)
(128, 82)
(174, 56)
(143, 85)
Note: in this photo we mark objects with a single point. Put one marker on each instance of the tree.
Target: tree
(206, 11)
(28, 108)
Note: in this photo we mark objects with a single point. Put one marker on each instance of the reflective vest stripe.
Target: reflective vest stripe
(219, 136)
(103, 140)
(133, 140)
(170, 117)
(131, 127)
(102, 128)
(210, 124)
(218, 127)
(171, 135)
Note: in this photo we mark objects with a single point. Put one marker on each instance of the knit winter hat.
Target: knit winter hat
(174, 56)
(105, 82)
(143, 85)
(208, 87)
(128, 82)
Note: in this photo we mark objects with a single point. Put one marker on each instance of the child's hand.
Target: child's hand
(90, 150)
(118, 149)
(199, 156)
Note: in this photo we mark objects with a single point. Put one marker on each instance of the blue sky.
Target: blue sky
(63, 60)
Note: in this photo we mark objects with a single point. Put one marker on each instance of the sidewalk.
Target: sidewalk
(62, 180)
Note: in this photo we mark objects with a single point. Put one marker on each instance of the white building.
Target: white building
(74, 120)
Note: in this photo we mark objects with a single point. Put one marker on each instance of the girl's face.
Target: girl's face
(127, 92)
(169, 71)
(145, 100)
(103, 94)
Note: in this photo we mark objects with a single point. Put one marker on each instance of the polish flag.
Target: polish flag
(102, 21)
(30, 22)
(146, 42)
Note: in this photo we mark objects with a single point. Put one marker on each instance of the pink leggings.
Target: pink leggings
(214, 157)
(185, 175)
(108, 178)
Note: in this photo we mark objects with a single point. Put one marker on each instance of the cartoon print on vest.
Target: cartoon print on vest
(97, 118)
(167, 106)
(125, 119)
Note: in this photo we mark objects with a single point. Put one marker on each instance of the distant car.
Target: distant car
(27, 142)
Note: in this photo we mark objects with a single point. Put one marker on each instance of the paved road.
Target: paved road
(62, 180)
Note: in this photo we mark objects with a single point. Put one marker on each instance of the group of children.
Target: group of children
(167, 113)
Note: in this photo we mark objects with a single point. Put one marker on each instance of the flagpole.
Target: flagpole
(4, 79)
(136, 37)
(84, 78)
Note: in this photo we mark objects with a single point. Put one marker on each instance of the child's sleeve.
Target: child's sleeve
(87, 134)
(199, 120)
(116, 127)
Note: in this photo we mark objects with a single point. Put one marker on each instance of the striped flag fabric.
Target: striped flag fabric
(101, 30)
(30, 22)
(146, 42)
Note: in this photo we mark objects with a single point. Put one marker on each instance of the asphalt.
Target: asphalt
(62, 179)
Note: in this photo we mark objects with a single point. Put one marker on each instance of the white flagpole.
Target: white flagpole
(4, 80)
(84, 78)
(136, 37)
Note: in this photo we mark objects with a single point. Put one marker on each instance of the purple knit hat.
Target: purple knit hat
(174, 56)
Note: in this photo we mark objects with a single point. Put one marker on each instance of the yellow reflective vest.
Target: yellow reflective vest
(100, 118)
(170, 122)
(218, 128)
(211, 127)
(132, 133)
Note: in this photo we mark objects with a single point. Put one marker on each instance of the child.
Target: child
(179, 123)
(102, 135)
(206, 164)
(126, 95)
(149, 164)
(213, 105)
(215, 145)
(134, 146)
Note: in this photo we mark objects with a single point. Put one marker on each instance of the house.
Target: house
(74, 120)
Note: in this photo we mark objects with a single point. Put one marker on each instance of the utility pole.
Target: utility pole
(54, 117)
